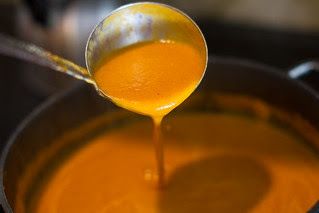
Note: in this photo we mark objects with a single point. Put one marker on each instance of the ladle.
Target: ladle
(128, 25)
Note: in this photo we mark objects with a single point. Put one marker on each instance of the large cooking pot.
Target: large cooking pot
(68, 110)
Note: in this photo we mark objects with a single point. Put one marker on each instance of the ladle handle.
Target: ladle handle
(30, 52)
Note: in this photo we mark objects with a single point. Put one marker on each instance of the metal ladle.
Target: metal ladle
(127, 25)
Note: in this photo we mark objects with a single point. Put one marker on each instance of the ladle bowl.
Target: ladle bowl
(141, 22)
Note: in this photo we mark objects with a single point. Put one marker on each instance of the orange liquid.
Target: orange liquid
(151, 78)
(215, 163)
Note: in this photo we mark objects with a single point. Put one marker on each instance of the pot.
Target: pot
(68, 110)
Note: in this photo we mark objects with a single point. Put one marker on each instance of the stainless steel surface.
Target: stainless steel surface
(32, 53)
(303, 69)
(142, 22)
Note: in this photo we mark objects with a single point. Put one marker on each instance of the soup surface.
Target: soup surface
(151, 78)
(214, 163)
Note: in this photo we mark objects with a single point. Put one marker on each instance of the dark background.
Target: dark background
(23, 86)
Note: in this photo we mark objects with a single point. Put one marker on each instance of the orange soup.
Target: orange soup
(151, 78)
(214, 163)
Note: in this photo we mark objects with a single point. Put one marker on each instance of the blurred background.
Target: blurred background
(280, 33)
